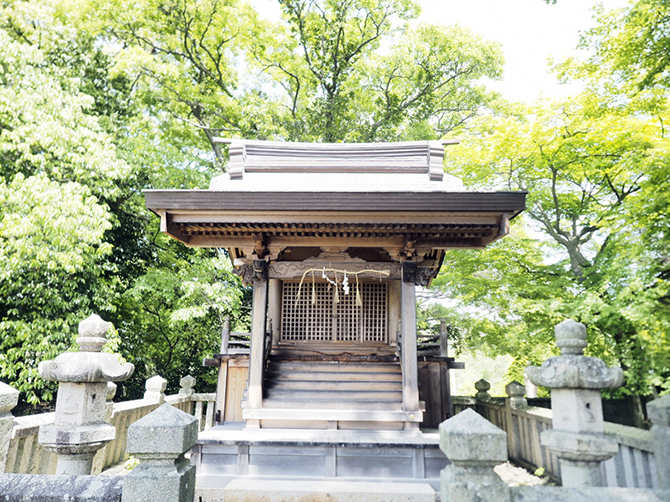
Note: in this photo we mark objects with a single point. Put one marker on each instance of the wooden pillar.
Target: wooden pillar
(258, 316)
(274, 308)
(410, 378)
(394, 311)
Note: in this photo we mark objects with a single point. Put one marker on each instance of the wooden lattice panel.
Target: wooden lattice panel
(327, 321)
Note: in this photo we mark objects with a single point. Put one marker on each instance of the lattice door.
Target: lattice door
(327, 321)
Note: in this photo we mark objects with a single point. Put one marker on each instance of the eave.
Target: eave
(404, 223)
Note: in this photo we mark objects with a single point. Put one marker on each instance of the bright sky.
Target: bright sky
(530, 31)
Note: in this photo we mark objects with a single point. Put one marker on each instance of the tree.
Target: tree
(75, 151)
(173, 316)
(588, 172)
(322, 74)
(56, 166)
(633, 45)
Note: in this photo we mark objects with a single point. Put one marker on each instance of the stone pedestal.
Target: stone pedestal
(159, 440)
(577, 437)
(658, 412)
(79, 427)
(474, 446)
(9, 397)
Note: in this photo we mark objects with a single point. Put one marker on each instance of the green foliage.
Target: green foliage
(99, 101)
(633, 44)
(584, 249)
(57, 165)
(330, 71)
(172, 318)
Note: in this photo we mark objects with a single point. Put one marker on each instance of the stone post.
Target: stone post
(474, 446)
(482, 387)
(79, 427)
(155, 389)
(516, 395)
(577, 437)
(186, 385)
(9, 397)
(186, 388)
(658, 412)
(159, 441)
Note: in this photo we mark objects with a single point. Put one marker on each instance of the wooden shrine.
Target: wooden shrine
(334, 239)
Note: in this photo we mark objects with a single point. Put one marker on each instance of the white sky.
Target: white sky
(530, 31)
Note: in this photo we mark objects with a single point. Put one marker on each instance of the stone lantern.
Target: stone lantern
(79, 427)
(577, 437)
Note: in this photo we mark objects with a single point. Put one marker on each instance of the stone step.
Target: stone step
(334, 366)
(328, 385)
(334, 395)
(329, 414)
(286, 490)
(394, 405)
(364, 376)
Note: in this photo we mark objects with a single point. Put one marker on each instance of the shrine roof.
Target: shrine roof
(391, 195)
(268, 166)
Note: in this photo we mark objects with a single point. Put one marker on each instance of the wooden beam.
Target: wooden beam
(352, 217)
(274, 306)
(296, 270)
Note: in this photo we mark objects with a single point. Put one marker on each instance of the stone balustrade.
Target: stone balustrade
(159, 441)
(23, 453)
(574, 432)
(634, 465)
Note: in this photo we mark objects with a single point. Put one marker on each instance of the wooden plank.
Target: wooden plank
(394, 309)
(237, 381)
(446, 391)
(368, 218)
(274, 305)
(318, 200)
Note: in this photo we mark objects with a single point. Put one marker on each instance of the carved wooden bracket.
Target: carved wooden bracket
(258, 271)
(421, 276)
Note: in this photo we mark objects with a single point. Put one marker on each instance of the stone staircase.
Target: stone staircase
(336, 394)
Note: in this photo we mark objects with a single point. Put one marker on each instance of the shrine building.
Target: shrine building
(334, 238)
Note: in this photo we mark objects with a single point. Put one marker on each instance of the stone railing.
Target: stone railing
(80, 434)
(25, 455)
(574, 433)
(158, 440)
(633, 466)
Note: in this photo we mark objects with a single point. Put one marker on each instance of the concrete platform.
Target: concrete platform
(235, 433)
(274, 490)
(231, 455)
